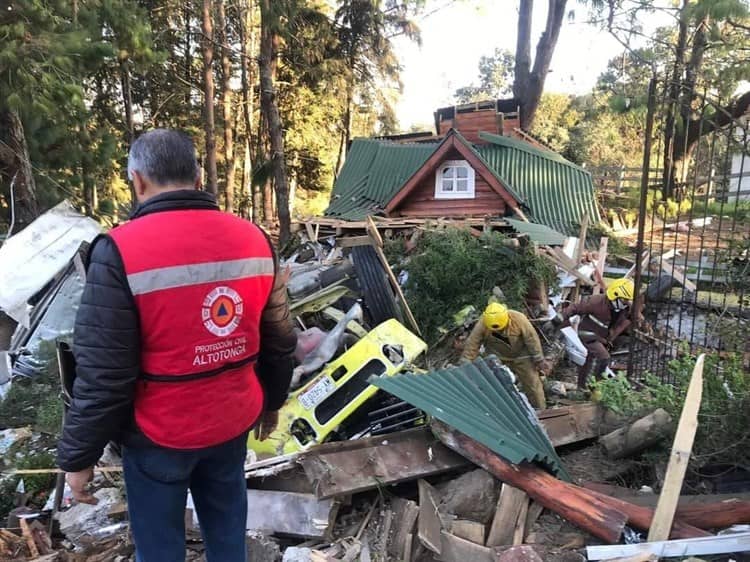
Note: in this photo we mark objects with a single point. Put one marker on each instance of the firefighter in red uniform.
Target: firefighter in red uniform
(183, 343)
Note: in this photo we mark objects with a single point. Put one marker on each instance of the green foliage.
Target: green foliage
(724, 416)
(495, 78)
(451, 269)
(555, 118)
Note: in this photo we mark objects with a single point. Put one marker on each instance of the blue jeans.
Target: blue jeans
(157, 481)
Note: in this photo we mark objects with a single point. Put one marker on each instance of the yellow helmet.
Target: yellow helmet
(621, 289)
(495, 316)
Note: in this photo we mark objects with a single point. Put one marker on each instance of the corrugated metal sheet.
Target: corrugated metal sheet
(373, 173)
(557, 192)
(539, 233)
(479, 400)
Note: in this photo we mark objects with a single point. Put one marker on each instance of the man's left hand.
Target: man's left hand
(78, 482)
(267, 425)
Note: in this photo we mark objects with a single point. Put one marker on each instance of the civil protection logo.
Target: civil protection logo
(222, 311)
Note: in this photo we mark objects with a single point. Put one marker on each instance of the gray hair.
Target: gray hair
(165, 157)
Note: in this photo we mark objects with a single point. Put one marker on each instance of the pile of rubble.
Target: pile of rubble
(376, 457)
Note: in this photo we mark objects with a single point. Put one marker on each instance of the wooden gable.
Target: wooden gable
(417, 197)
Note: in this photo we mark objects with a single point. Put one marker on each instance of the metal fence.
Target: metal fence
(693, 232)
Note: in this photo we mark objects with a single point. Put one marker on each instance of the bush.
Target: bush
(451, 268)
(723, 420)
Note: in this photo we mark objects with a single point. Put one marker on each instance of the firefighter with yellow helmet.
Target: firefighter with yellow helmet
(603, 318)
(509, 335)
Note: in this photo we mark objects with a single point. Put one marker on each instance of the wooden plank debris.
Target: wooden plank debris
(573, 423)
(456, 549)
(29, 538)
(289, 513)
(680, 455)
(520, 529)
(577, 505)
(470, 530)
(720, 544)
(509, 506)
(378, 246)
(535, 510)
(429, 519)
(352, 241)
(405, 513)
(349, 467)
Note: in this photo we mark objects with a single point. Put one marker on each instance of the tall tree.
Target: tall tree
(230, 163)
(365, 32)
(14, 156)
(270, 22)
(528, 84)
(208, 98)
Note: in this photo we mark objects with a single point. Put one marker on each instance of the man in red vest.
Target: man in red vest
(183, 343)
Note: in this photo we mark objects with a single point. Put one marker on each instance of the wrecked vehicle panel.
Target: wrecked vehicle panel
(314, 411)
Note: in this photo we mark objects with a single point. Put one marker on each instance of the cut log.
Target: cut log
(429, 520)
(508, 509)
(575, 504)
(637, 436)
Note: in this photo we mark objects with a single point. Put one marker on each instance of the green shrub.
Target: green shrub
(723, 433)
(451, 268)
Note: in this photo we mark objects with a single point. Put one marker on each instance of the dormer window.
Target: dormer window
(454, 179)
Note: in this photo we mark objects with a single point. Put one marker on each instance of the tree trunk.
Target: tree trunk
(18, 163)
(523, 50)
(528, 85)
(671, 144)
(127, 102)
(188, 54)
(637, 436)
(230, 162)
(269, 44)
(247, 48)
(346, 133)
(208, 102)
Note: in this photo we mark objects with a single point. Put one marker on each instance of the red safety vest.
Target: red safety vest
(200, 279)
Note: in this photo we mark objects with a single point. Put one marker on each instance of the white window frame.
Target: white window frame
(441, 193)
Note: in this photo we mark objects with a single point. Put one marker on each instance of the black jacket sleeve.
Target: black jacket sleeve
(277, 344)
(106, 345)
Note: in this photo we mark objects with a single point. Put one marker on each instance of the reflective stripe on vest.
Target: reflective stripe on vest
(198, 273)
(200, 280)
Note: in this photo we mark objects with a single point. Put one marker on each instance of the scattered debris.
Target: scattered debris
(86, 519)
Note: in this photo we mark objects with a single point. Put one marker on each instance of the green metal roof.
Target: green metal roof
(373, 173)
(538, 233)
(557, 192)
(480, 400)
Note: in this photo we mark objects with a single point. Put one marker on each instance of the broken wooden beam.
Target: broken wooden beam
(470, 530)
(637, 436)
(289, 513)
(405, 513)
(349, 467)
(572, 424)
(577, 505)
